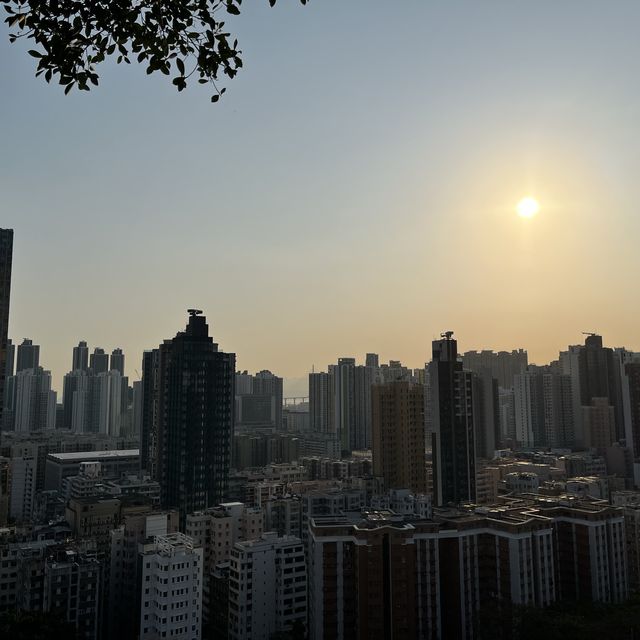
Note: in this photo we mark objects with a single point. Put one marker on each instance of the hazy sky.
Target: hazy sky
(354, 191)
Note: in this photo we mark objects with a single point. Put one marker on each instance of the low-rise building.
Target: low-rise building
(589, 487)
(113, 464)
(522, 482)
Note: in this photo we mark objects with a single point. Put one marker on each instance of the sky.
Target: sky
(354, 191)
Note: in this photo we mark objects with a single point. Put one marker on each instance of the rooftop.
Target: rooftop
(86, 456)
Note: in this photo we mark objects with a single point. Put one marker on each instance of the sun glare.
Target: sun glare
(528, 207)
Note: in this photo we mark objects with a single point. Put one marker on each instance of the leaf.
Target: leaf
(75, 36)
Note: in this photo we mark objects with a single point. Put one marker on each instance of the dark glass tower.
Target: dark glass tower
(117, 361)
(6, 255)
(80, 357)
(149, 413)
(28, 356)
(189, 438)
(453, 438)
(99, 361)
(600, 378)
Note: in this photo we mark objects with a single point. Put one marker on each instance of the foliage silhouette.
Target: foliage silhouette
(184, 39)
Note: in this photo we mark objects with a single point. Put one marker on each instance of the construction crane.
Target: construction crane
(447, 335)
(589, 333)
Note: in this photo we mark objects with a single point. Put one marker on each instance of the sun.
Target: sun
(528, 207)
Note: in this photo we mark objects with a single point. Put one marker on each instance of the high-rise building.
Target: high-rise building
(72, 588)
(72, 382)
(372, 360)
(373, 576)
(6, 258)
(5, 490)
(216, 530)
(123, 618)
(80, 361)
(453, 440)
(591, 551)
(631, 403)
(28, 356)
(529, 408)
(96, 401)
(503, 365)
(267, 587)
(149, 418)
(559, 421)
(345, 402)
(486, 413)
(137, 408)
(10, 358)
(321, 403)
(598, 421)
(85, 402)
(340, 402)
(506, 403)
(35, 402)
(378, 574)
(171, 585)
(117, 361)
(266, 383)
(364, 377)
(258, 401)
(99, 361)
(111, 397)
(595, 373)
(398, 435)
(543, 407)
(23, 486)
(393, 371)
(189, 418)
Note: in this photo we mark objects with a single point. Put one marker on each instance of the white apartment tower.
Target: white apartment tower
(267, 587)
(35, 402)
(171, 599)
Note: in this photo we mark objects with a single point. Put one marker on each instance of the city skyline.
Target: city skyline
(294, 385)
(412, 170)
(341, 341)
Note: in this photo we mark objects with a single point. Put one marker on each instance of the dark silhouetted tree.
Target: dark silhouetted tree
(33, 625)
(183, 39)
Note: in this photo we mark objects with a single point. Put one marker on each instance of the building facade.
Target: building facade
(398, 435)
(171, 584)
(267, 587)
(6, 260)
(453, 438)
(191, 429)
